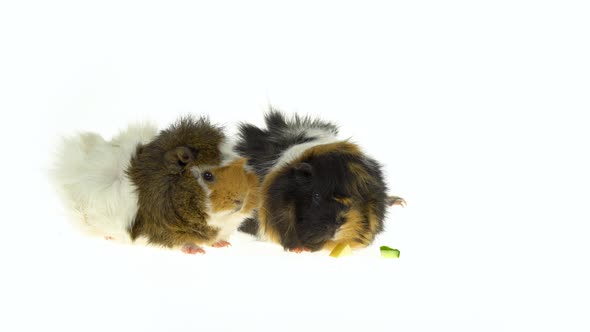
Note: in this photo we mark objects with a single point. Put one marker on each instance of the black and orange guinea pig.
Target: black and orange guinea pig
(158, 187)
(316, 190)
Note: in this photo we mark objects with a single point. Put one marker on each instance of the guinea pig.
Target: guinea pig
(233, 195)
(144, 184)
(317, 190)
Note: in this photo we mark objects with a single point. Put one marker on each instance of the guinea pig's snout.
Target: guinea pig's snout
(238, 203)
(317, 238)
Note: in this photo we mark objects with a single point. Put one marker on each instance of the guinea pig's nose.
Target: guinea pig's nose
(238, 205)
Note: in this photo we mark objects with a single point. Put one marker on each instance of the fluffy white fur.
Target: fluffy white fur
(227, 222)
(90, 175)
(228, 155)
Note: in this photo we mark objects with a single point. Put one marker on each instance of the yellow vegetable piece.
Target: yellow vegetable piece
(341, 249)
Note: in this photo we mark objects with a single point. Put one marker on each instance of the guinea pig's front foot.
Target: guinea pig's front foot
(192, 249)
(221, 244)
(106, 237)
(396, 200)
(299, 250)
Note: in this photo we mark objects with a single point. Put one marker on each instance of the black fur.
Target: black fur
(264, 147)
(249, 226)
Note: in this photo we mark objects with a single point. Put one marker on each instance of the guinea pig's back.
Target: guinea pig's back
(283, 139)
(89, 174)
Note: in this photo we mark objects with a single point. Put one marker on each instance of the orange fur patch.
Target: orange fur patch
(285, 216)
(373, 223)
(233, 188)
(362, 177)
(340, 147)
(263, 213)
(346, 201)
(253, 197)
(353, 232)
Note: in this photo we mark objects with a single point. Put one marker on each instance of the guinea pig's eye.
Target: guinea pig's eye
(208, 176)
(315, 197)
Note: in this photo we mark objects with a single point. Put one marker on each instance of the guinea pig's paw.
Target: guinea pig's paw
(221, 244)
(106, 237)
(192, 249)
(395, 200)
(299, 250)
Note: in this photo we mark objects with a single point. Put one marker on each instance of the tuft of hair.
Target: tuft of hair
(264, 147)
(278, 123)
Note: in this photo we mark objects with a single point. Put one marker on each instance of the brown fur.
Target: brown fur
(233, 188)
(343, 147)
(344, 200)
(172, 204)
(354, 232)
(287, 214)
(286, 217)
(363, 178)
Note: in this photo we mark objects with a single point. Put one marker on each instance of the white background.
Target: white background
(478, 111)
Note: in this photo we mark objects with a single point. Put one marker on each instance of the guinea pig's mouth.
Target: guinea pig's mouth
(317, 241)
(229, 212)
(314, 244)
(233, 211)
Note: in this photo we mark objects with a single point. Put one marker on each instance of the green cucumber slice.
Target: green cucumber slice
(388, 252)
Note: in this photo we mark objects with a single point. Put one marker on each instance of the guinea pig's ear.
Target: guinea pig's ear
(395, 200)
(139, 149)
(177, 159)
(303, 171)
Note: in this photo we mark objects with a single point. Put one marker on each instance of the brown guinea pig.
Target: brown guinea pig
(233, 196)
(173, 204)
